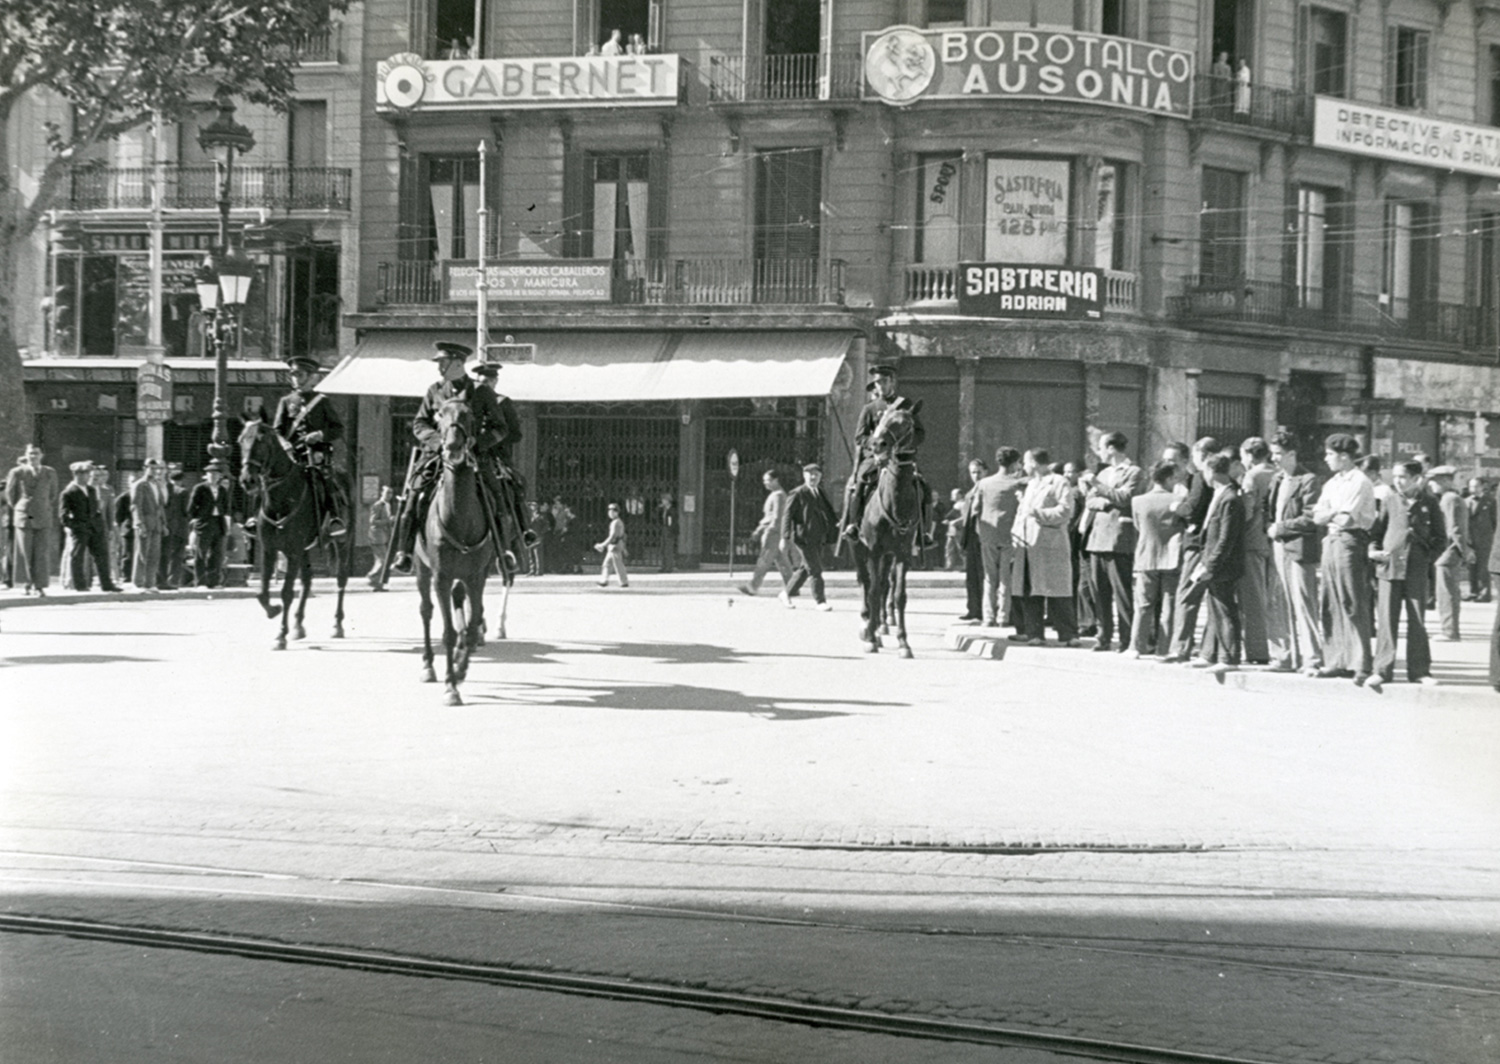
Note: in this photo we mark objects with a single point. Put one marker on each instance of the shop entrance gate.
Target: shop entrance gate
(767, 433)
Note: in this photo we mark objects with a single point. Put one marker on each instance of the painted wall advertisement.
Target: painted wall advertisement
(904, 64)
(1022, 290)
(937, 231)
(559, 280)
(1026, 210)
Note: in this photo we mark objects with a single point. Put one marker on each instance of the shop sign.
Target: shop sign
(904, 65)
(153, 393)
(546, 280)
(1013, 290)
(1026, 210)
(409, 82)
(1405, 136)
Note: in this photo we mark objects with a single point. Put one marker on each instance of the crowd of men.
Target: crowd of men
(1291, 569)
(158, 533)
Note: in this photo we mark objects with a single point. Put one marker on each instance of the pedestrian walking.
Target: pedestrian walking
(1220, 566)
(208, 520)
(1158, 557)
(1481, 506)
(1297, 550)
(1346, 510)
(1406, 537)
(1457, 555)
(381, 520)
(999, 496)
(613, 548)
(1107, 529)
(810, 523)
(768, 532)
(149, 516)
(1042, 570)
(32, 489)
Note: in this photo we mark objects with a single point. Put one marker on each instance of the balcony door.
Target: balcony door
(791, 68)
(1221, 227)
(788, 224)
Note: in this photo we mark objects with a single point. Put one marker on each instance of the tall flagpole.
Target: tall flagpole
(482, 311)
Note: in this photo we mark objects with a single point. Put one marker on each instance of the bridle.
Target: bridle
(259, 469)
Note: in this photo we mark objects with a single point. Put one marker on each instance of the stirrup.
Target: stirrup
(530, 538)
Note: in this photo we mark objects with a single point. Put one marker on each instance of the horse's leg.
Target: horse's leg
(444, 591)
(266, 557)
(898, 591)
(466, 624)
(505, 584)
(288, 579)
(304, 572)
(874, 601)
(341, 559)
(424, 592)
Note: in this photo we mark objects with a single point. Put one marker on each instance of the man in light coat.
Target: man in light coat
(148, 509)
(1261, 612)
(999, 500)
(1042, 570)
(1158, 556)
(1297, 550)
(1108, 532)
(1454, 559)
(769, 534)
(32, 489)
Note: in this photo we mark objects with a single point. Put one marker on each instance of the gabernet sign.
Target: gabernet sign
(904, 65)
(408, 82)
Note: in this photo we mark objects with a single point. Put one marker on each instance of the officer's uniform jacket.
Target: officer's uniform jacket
(317, 415)
(496, 424)
(869, 419)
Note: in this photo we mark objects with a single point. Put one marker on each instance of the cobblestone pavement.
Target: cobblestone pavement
(686, 786)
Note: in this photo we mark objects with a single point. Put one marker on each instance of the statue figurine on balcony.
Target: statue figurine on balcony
(310, 426)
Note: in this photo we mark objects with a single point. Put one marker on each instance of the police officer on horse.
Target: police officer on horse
(496, 427)
(857, 492)
(309, 427)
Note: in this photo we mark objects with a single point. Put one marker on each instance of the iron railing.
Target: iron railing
(1277, 304)
(320, 46)
(939, 285)
(1219, 99)
(650, 282)
(751, 78)
(302, 188)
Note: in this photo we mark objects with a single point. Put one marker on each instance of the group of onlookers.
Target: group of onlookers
(157, 533)
(1292, 569)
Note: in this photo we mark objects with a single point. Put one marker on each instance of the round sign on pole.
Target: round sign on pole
(734, 464)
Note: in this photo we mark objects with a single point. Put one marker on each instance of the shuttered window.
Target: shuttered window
(1406, 52)
(1221, 227)
(1322, 51)
(788, 203)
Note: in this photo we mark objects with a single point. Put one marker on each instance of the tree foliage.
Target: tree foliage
(118, 64)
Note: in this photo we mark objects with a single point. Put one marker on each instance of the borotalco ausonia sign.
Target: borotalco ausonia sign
(905, 65)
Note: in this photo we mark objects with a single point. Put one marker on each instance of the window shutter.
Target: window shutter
(1420, 45)
(409, 231)
(655, 19)
(1388, 95)
(1304, 50)
(578, 201)
(658, 181)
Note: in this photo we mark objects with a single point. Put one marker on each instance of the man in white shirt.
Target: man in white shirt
(769, 533)
(1346, 509)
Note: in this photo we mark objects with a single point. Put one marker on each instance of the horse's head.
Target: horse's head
(893, 433)
(258, 447)
(455, 424)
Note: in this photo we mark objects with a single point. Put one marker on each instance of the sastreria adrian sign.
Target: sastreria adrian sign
(1015, 290)
(409, 82)
(904, 65)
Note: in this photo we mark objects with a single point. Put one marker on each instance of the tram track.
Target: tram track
(722, 1002)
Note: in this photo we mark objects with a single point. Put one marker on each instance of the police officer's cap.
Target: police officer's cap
(305, 364)
(448, 349)
(216, 465)
(883, 369)
(481, 367)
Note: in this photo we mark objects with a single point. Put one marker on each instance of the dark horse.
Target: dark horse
(287, 523)
(455, 550)
(888, 530)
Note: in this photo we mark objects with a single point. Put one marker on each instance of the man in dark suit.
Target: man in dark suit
(175, 532)
(1407, 536)
(125, 524)
(78, 512)
(32, 490)
(1481, 506)
(809, 521)
(1220, 565)
(1193, 509)
(999, 501)
(1297, 553)
(968, 539)
(1108, 532)
(1158, 557)
(208, 518)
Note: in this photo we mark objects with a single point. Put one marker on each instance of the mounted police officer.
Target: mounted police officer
(495, 427)
(486, 374)
(310, 426)
(882, 387)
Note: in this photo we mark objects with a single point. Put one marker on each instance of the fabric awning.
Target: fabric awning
(613, 367)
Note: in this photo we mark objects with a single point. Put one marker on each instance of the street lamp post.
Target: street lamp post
(222, 139)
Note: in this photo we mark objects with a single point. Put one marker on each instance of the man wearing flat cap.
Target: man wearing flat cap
(208, 517)
(77, 508)
(882, 389)
(307, 421)
(495, 427)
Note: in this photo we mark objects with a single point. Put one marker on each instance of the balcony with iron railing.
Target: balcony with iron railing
(1207, 300)
(661, 282)
(320, 46)
(1219, 99)
(787, 78)
(276, 188)
(935, 286)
